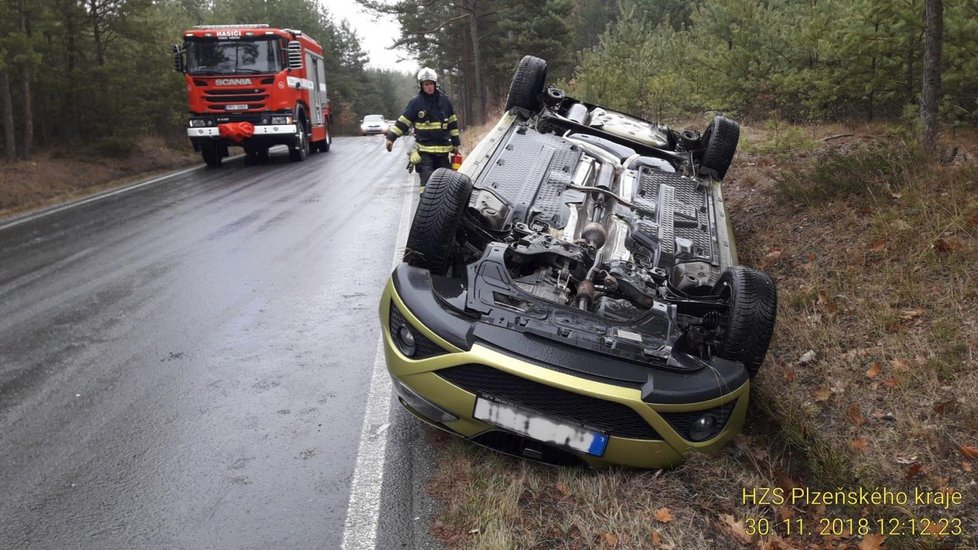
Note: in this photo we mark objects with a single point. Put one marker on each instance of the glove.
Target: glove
(414, 157)
(454, 149)
(388, 145)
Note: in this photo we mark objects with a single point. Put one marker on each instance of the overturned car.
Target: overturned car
(571, 295)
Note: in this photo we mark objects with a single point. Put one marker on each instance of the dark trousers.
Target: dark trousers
(431, 162)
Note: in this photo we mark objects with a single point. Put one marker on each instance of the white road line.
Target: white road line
(93, 198)
(362, 512)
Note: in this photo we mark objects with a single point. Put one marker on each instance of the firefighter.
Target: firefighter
(435, 126)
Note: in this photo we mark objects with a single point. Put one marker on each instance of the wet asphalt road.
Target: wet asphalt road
(185, 365)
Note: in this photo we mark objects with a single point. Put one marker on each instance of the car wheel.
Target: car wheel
(211, 154)
(721, 138)
(300, 151)
(753, 304)
(432, 235)
(527, 84)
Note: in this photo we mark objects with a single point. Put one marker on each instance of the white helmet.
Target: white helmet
(426, 74)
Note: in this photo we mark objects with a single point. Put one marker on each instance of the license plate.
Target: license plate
(235, 107)
(541, 428)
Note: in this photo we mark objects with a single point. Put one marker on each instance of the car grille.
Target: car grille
(682, 422)
(606, 416)
(423, 347)
(524, 447)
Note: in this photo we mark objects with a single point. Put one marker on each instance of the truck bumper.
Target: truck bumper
(214, 132)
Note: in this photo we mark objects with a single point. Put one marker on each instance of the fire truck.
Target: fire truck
(254, 86)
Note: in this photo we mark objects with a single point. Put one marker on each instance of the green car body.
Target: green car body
(571, 295)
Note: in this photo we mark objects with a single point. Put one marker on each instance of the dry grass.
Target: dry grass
(878, 280)
(52, 177)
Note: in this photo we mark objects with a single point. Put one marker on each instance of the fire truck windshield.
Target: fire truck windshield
(234, 56)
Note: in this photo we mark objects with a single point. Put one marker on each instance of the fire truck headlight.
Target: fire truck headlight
(281, 120)
(197, 122)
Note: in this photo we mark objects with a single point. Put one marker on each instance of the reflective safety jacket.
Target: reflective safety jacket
(434, 122)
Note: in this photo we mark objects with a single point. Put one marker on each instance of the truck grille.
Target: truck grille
(606, 416)
(255, 98)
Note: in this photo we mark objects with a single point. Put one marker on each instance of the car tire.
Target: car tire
(300, 151)
(211, 154)
(721, 138)
(432, 235)
(753, 305)
(527, 84)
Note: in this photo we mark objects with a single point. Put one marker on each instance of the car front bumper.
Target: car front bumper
(441, 384)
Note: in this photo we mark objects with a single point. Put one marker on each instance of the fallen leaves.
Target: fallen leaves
(910, 314)
(969, 451)
(807, 357)
(874, 370)
(855, 415)
(871, 542)
(769, 259)
(608, 539)
(735, 528)
(943, 246)
(822, 393)
(829, 305)
(860, 444)
(877, 245)
(914, 470)
(663, 515)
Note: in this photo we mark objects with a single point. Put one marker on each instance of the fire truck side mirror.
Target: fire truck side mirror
(295, 55)
(178, 58)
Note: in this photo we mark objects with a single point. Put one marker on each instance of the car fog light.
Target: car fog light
(703, 428)
(405, 340)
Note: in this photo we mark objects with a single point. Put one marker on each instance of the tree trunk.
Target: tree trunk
(6, 101)
(480, 92)
(465, 86)
(28, 139)
(930, 96)
(96, 16)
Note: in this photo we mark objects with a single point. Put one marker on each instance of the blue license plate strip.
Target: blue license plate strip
(540, 428)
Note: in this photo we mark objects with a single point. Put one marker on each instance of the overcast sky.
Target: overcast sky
(375, 35)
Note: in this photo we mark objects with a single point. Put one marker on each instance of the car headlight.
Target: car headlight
(281, 119)
(198, 122)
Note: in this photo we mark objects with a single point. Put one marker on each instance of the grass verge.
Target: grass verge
(870, 383)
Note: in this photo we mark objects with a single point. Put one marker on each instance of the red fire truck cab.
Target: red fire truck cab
(253, 86)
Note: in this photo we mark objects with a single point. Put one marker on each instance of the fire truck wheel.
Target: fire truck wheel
(212, 154)
(300, 151)
(324, 144)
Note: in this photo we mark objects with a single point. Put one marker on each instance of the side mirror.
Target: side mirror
(178, 64)
(295, 55)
